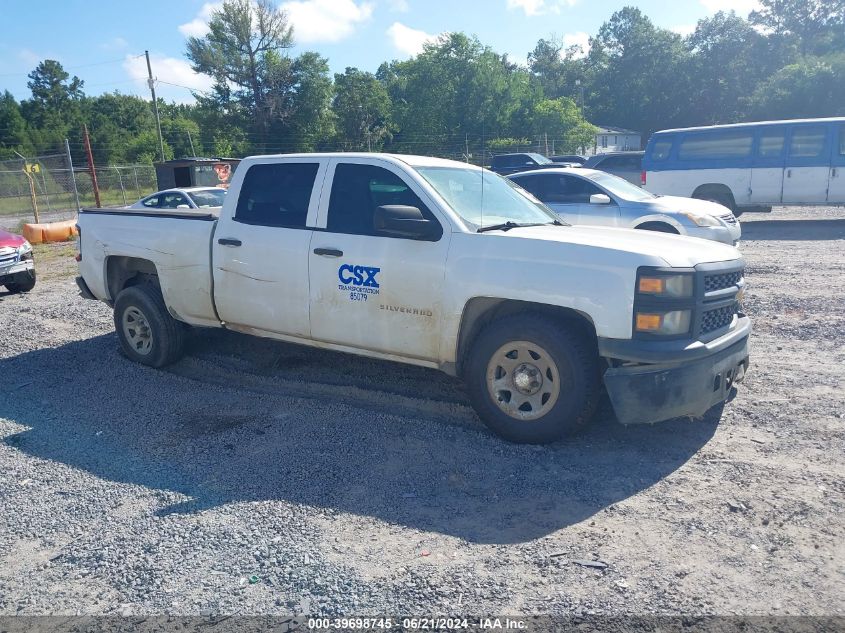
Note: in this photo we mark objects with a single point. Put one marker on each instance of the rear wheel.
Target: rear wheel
(532, 379)
(24, 282)
(146, 331)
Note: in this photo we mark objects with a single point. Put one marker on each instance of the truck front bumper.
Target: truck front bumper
(670, 380)
(14, 272)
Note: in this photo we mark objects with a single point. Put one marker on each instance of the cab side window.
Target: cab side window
(358, 190)
(276, 194)
(151, 202)
(172, 201)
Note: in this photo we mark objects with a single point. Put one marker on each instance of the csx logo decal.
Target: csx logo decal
(358, 275)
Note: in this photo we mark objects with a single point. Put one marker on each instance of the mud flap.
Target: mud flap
(652, 393)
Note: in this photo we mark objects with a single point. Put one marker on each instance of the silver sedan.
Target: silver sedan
(587, 196)
(185, 198)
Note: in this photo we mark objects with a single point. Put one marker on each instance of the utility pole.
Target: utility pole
(152, 85)
(91, 166)
(72, 175)
(191, 142)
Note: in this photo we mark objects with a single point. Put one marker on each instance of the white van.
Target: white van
(798, 162)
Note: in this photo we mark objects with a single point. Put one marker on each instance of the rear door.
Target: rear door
(807, 168)
(260, 255)
(836, 185)
(369, 290)
(768, 165)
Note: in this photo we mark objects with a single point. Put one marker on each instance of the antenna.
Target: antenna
(483, 153)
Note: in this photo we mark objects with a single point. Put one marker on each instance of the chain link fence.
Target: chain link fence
(46, 184)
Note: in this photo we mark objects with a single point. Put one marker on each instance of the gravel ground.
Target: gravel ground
(256, 477)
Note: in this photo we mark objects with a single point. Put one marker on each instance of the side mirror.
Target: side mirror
(398, 220)
(182, 206)
(599, 198)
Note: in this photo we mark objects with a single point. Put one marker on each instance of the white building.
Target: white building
(616, 139)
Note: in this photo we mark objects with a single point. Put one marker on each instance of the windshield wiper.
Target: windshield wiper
(507, 226)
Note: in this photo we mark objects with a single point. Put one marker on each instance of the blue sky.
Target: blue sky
(101, 41)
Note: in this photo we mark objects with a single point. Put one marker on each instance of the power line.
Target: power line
(111, 61)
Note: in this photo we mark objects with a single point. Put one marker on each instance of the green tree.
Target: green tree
(55, 106)
(637, 77)
(362, 107)
(13, 133)
(557, 68)
(812, 87)
(244, 53)
(816, 25)
(561, 120)
(311, 123)
(729, 58)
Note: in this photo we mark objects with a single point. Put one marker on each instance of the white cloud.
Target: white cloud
(578, 39)
(742, 7)
(29, 57)
(198, 27)
(407, 40)
(325, 20)
(312, 20)
(683, 29)
(399, 6)
(166, 69)
(539, 7)
(115, 44)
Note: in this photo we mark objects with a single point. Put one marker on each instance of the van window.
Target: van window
(276, 194)
(722, 144)
(771, 143)
(660, 149)
(807, 142)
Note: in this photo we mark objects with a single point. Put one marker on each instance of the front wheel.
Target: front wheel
(533, 380)
(24, 282)
(146, 331)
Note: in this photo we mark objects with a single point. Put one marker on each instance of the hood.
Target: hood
(10, 239)
(677, 204)
(678, 251)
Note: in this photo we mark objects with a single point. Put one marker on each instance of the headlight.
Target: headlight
(665, 285)
(669, 323)
(703, 220)
(25, 251)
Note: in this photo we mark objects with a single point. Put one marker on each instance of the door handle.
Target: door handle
(229, 241)
(328, 252)
(789, 173)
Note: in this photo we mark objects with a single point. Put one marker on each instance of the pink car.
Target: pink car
(17, 267)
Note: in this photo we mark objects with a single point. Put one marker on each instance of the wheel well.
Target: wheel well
(702, 192)
(122, 272)
(663, 227)
(480, 311)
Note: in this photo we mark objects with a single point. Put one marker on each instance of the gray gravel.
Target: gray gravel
(256, 477)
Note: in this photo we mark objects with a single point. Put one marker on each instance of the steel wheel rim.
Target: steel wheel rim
(523, 380)
(136, 331)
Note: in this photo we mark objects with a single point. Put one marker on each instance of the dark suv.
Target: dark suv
(627, 165)
(512, 163)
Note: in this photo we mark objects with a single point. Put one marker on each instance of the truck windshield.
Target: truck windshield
(497, 202)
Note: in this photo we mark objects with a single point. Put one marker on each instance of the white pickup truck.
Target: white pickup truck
(435, 263)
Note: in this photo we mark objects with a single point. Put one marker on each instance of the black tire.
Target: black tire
(575, 359)
(659, 227)
(166, 334)
(25, 283)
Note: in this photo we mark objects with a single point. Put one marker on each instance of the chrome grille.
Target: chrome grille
(8, 256)
(730, 218)
(720, 317)
(721, 281)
